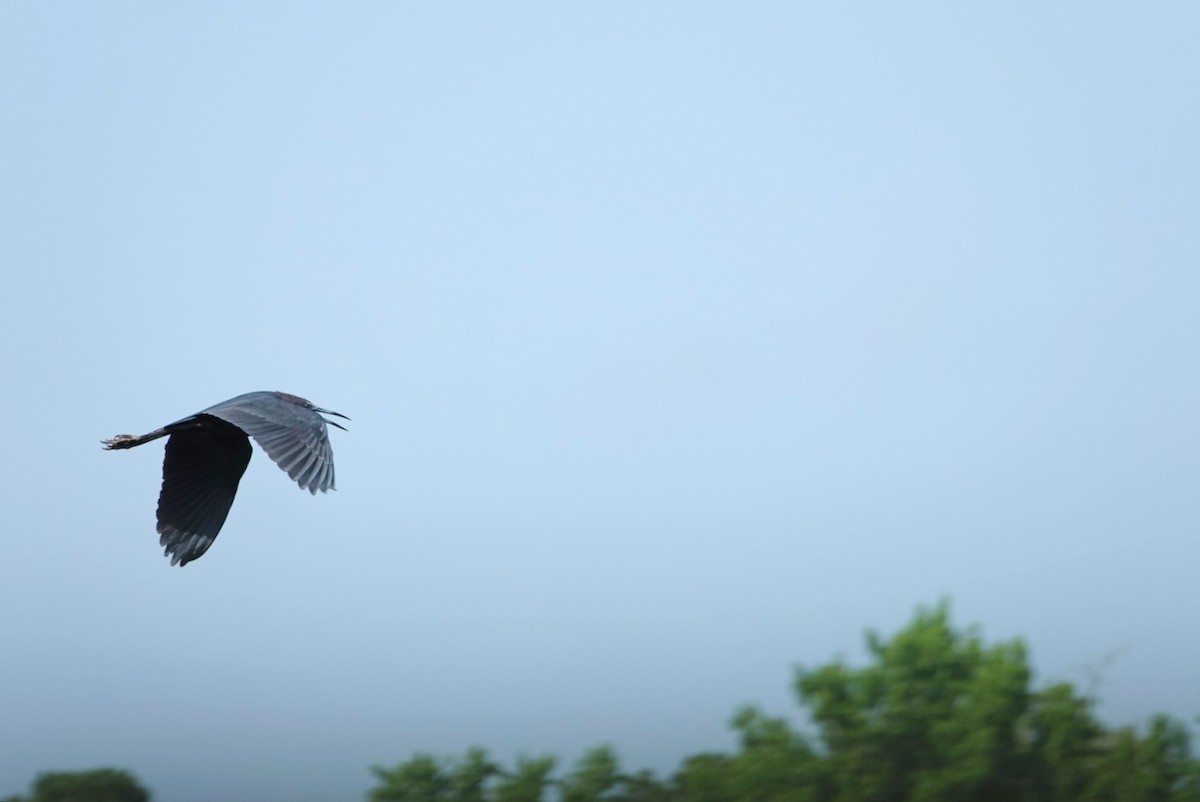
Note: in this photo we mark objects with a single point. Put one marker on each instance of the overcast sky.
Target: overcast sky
(682, 341)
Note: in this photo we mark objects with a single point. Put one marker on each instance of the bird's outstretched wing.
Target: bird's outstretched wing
(294, 437)
(201, 471)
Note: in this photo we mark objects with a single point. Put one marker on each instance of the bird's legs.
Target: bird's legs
(131, 440)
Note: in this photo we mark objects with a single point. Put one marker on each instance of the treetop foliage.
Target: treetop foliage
(99, 785)
(936, 716)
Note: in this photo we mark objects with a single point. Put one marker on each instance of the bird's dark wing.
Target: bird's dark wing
(294, 437)
(201, 471)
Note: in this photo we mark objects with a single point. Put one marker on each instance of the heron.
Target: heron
(208, 452)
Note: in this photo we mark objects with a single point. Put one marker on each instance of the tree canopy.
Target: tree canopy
(936, 715)
(98, 785)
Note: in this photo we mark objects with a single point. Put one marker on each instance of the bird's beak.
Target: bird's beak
(331, 412)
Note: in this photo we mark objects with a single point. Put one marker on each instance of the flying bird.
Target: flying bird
(208, 452)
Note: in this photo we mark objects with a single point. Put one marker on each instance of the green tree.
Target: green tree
(644, 787)
(1153, 768)
(936, 715)
(420, 779)
(98, 785)
(593, 778)
(934, 719)
(469, 776)
(706, 777)
(527, 783)
(1063, 740)
(774, 764)
(426, 779)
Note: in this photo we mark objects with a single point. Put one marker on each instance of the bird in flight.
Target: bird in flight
(208, 452)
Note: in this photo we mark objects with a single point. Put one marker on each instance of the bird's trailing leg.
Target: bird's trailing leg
(130, 440)
(121, 441)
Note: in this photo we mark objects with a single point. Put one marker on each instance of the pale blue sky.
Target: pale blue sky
(683, 341)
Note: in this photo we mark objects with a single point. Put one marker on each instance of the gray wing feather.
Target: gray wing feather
(294, 437)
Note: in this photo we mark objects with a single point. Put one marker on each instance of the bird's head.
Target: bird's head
(304, 402)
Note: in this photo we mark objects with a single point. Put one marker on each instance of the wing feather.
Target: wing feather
(201, 470)
(294, 436)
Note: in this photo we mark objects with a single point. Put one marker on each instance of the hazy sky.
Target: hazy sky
(682, 342)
